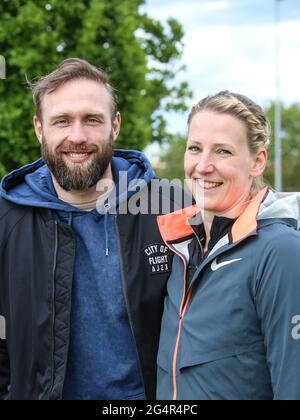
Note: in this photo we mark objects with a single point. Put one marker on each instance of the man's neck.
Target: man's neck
(77, 197)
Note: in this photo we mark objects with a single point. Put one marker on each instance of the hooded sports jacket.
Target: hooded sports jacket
(234, 333)
(37, 262)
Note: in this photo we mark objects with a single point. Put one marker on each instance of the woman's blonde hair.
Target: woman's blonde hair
(249, 113)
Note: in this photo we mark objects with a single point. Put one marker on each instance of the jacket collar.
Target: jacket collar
(177, 226)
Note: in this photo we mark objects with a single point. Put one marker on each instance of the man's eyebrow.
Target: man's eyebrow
(54, 117)
(96, 115)
(87, 115)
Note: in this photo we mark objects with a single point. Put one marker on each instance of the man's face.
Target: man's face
(77, 133)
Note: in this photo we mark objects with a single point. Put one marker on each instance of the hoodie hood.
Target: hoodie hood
(32, 184)
(281, 206)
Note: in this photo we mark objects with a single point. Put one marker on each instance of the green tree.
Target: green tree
(171, 164)
(290, 147)
(139, 53)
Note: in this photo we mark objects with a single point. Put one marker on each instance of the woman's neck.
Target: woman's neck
(232, 213)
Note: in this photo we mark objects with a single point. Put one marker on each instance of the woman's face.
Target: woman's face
(218, 164)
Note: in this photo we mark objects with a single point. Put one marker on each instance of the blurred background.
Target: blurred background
(162, 57)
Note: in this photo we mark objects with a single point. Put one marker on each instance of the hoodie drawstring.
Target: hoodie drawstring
(70, 218)
(106, 214)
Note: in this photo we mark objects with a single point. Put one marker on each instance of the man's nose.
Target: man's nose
(77, 133)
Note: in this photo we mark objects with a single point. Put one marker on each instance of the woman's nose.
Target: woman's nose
(205, 164)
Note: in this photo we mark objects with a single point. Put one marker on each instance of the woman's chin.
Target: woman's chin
(209, 204)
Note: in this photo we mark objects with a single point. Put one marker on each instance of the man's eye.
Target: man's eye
(92, 121)
(61, 122)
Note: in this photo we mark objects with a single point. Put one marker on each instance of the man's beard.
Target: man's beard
(78, 176)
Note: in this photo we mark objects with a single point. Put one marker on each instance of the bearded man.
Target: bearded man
(80, 295)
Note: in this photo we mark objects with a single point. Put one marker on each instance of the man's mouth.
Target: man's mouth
(77, 157)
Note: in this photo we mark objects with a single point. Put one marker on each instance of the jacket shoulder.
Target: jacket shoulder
(278, 260)
(7, 208)
(279, 236)
(12, 214)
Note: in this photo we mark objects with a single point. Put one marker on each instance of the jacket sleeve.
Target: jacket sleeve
(4, 362)
(278, 307)
(4, 357)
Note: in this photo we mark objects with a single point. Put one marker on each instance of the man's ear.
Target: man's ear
(38, 128)
(259, 163)
(116, 125)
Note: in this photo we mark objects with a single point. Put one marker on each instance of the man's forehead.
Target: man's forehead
(78, 91)
(77, 101)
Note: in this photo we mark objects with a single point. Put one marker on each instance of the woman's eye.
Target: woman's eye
(194, 149)
(224, 152)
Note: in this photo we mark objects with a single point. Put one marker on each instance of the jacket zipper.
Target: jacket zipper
(53, 304)
(183, 306)
(126, 299)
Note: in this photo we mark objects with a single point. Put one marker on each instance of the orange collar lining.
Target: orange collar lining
(176, 225)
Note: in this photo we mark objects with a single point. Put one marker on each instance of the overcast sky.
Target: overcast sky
(230, 44)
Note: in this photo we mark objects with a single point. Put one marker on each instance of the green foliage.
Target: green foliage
(171, 162)
(290, 147)
(140, 55)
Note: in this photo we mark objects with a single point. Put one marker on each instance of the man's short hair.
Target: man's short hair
(70, 69)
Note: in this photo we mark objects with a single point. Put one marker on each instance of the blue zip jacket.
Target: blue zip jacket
(234, 333)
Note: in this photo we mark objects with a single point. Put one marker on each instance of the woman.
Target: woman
(230, 327)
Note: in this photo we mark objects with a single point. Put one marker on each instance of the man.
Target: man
(81, 283)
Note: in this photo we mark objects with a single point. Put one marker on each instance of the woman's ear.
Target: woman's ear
(259, 163)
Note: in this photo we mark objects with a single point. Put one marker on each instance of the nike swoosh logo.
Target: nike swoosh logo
(215, 266)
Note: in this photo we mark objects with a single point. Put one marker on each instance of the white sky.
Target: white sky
(230, 44)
